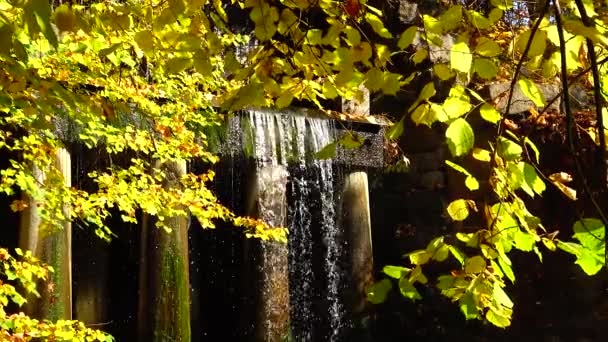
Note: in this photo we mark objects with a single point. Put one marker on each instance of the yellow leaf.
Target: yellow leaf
(353, 37)
(487, 47)
(451, 18)
(539, 43)
(461, 57)
(420, 56)
(314, 36)
(458, 209)
(481, 154)
(443, 72)
(377, 25)
(407, 37)
(361, 52)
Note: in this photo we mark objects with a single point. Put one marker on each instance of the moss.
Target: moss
(172, 316)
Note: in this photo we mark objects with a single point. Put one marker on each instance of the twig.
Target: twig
(597, 98)
(568, 109)
(521, 61)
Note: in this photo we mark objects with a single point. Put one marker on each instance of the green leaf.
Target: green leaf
(202, 64)
(408, 290)
(395, 131)
(420, 56)
(351, 140)
(471, 183)
(377, 292)
(407, 37)
(458, 209)
(590, 232)
(461, 57)
(468, 306)
(505, 265)
(314, 36)
(478, 20)
(451, 18)
(485, 68)
(502, 4)
(457, 253)
(531, 91)
(41, 10)
(377, 25)
(532, 180)
(487, 47)
(508, 149)
(539, 43)
(529, 143)
(474, 265)
(419, 257)
(501, 296)
(395, 271)
(327, 152)
(460, 137)
(524, 241)
(456, 107)
(489, 113)
(497, 319)
(442, 253)
(426, 93)
(417, 276)
(445, 282)
(424, 115)
(443, 72)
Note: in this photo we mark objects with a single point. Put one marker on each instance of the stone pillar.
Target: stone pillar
(164, 307)
(267, 201)
(357, 225)
(356, 220)
(53, 247)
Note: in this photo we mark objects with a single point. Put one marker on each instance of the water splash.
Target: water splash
(291, 140)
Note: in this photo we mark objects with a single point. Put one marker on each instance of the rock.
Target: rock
(520, 103)
(433, 180)
(424, 162)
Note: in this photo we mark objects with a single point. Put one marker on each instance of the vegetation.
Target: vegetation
(148, 77)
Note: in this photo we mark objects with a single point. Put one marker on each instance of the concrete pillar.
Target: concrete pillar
(53, 247)
(357, 225)
(164, 308)
(267, 201)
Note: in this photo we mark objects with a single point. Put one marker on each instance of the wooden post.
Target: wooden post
(53, 247)
(267, 200)
(164, 307)
(357, 225)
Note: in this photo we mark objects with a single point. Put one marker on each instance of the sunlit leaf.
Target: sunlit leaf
(460, 137)
(458, 209)
(408, 290)
(487, 47)
(532, 91)
(461, 57)
(377, 25)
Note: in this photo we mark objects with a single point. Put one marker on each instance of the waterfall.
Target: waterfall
(287, 144)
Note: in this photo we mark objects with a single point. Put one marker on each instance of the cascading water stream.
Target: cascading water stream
(288, 142)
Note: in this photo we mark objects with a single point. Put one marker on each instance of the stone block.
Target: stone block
(520, 103)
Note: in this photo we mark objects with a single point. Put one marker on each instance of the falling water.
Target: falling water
(291, 141)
